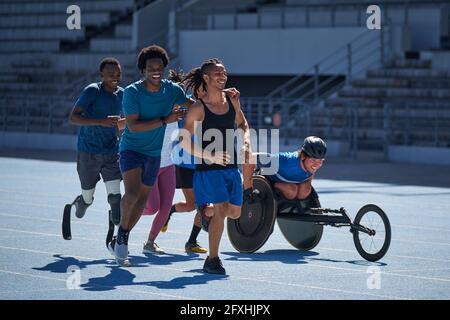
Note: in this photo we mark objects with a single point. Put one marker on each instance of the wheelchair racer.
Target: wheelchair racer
(295, 171)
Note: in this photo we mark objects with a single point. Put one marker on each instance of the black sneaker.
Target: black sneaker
(213, 265)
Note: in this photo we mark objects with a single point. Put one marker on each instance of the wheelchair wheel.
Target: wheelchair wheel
(301, 235)
(251, 231)
(372, 247)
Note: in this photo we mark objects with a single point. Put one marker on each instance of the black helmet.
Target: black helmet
(314, 147)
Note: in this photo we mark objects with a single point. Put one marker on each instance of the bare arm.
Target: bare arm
(121, 123)
(136, 125)
(189, 102)
(194, 114)
(240, 119)
(241, 123)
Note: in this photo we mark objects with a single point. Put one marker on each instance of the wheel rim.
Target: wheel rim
(372, 244)
(372, 248)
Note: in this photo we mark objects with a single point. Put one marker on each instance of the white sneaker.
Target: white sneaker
(152, 247)
(121, 254)
(123, 262)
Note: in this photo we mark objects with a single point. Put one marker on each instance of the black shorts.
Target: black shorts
(91, 165)
(185, 177)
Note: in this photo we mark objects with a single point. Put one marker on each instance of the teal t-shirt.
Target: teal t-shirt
(149, 106)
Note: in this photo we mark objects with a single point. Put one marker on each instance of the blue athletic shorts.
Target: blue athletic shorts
(216, 186)
(150, 165)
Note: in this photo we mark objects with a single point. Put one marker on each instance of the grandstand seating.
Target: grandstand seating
(43, 66)
(415, 96)
(36, 42)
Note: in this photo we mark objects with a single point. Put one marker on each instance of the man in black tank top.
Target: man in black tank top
(217, 179)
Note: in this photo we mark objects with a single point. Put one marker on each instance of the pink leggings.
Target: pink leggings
(160, 198)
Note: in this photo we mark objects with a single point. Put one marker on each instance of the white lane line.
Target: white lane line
(81, 222)
(183, 233)
(98, 285)
(270, 282)
(29, 291)
(183, 217)
(388, 254)
(74, 221)
(43, 205)
(181, 270)
(399, 271)
(33, 193)
(309, 264)
(186, 216)
(398, 240)
(421, 270)
(80, 238)
(354, 270)
(410, 226)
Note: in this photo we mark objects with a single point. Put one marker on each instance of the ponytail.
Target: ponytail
(194, 79)
(175, 75)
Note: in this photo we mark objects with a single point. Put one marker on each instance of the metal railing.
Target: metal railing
(366, 50)
(359, 128)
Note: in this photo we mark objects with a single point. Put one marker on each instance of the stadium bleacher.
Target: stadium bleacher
(44, 65)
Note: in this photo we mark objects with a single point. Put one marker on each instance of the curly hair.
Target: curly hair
(152, 52)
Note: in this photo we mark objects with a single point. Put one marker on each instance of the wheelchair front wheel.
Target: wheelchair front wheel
(372, 245)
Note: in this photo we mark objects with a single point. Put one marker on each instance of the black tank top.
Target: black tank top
(219, 122)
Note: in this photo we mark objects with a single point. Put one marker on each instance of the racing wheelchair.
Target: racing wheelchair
(302, 226)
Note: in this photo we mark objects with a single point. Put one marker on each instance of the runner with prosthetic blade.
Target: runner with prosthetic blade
(98, 112)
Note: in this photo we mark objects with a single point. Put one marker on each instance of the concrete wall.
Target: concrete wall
(425, 25)
(401, 154)
(268, 51)
(45, 141)
(41, 141)
(151, 23)
(67, 61)
(425, 155)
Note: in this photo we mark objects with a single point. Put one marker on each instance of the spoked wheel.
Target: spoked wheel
(374, 244)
